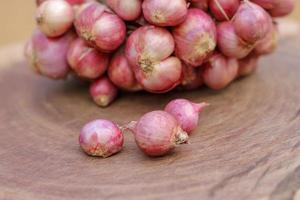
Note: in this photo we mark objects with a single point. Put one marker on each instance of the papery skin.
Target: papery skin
(164, 13)
(195, 38)
(157, 133)
(128, 10)
(201, 4)
(97, 25)
(282, 8)
(103, 91)
(87, 62)
(192, 78)
(101, 138)
(48, 56)
(121, 73)
(230, 44)
(186, 113)
(251, 22)
(148, 50)
(248, 65)
(220, 71)
(55, 17)
(224, 9)
(268, 44)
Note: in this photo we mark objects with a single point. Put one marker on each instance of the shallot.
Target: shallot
(128, 9)
(219, 71)
(101, 138)
(247, 65)
(87, 62)
(48, 56)
(223, 9)
(186, 113)
(96, 24)
(195, 38)
(157, 133)
(54, 17)
(165, 13)
(148, 50)
(121, 74)
(103, 91)
(230, 44)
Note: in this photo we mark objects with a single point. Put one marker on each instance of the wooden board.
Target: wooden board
(247, 147)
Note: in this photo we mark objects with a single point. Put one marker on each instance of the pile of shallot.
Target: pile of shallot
(153, 45)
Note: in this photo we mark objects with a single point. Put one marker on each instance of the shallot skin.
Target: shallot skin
(219, 71)
(102, 29)
(103, 91)
(128, 10)
(268, 44)
(192, 78)
(251, 22)
(201, 4)
(282, 8)
(186, 113)
(101, 138)
(157, 133)
(87, 62)
(148, 49)
(248, 65)
(165, 13)
(121, 73)
(230, 44)
(72, 2)
(224, 9)
(195, 38)
(55, 17)
(48, 56)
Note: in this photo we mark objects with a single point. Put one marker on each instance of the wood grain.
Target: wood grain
(247, 147)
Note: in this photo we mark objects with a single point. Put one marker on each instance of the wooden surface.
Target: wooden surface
(247, 147)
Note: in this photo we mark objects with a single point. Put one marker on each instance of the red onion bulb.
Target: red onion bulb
(101, 138)
(48, 56)
(219, 71)
(148, 49)
(99, 27)
(223, 9)
(186, 113)
(103, 91)
(164, 13)
(55, 17)
(87, 62)
(251, 22)
(195, 38)
(121, 73)
(230, 44)
(128, 10)
(157, 133)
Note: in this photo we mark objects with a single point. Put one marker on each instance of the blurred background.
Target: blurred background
(17, 20)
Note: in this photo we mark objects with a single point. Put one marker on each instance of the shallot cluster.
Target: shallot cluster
(153, 45)
(156, 133)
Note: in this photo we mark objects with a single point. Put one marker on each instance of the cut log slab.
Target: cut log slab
(246, 148)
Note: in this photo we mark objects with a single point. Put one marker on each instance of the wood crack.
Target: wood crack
(244, 172)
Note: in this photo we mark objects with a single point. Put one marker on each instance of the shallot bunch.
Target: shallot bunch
(153, 45)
